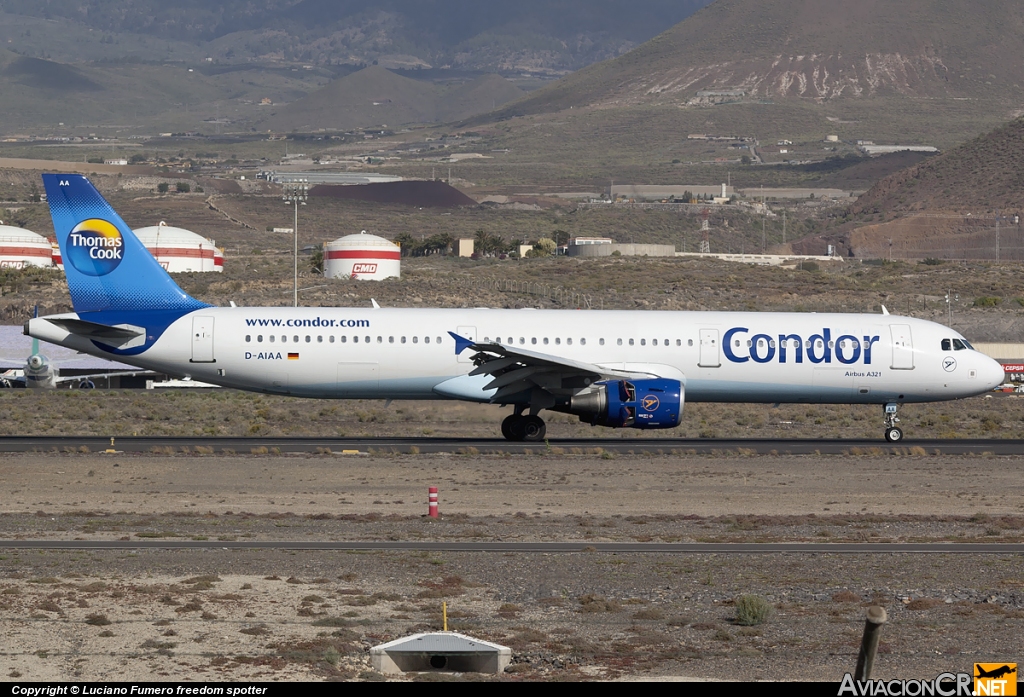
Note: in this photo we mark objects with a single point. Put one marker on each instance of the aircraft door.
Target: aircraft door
(202, 340)
(902, 347)
(710, 349)
(468, 333)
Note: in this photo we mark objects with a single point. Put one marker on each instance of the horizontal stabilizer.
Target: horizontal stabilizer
(100, 332)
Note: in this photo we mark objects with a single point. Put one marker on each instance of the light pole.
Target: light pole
(950, 297)
(295, 193)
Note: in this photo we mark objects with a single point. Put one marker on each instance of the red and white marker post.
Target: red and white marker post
(432, 510)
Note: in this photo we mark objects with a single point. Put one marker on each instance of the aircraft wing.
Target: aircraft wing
(517, 370)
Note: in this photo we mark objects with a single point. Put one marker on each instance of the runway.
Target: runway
(535, 547)
(623, 446)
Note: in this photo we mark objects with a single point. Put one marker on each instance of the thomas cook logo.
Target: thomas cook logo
(95, 247)
(995, 678)
(650, 403)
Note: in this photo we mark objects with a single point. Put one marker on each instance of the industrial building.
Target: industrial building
(363, 256)
(180, 250)
(20, 248)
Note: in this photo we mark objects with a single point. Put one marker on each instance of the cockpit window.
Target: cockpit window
(947, 345)
(968, 344)
(959, 345)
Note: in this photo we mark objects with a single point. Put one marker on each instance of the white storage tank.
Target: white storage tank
(180, 250)
(362, 256)
(20, 248)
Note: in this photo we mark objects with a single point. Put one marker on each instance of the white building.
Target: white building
(20, 248)
(363, 256)
(180, 250)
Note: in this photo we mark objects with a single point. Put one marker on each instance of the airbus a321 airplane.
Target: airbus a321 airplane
(611, 368)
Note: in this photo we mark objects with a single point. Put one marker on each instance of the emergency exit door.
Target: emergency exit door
(710, 350)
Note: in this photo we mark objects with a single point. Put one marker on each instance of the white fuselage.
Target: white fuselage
(347, 353)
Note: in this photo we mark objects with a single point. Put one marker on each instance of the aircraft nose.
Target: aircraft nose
(993, 373)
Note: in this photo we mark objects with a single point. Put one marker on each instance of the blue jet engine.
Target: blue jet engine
(630, 404)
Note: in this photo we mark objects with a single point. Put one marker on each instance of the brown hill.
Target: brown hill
(375, 96)
(981, 176)
(422, 194)
(944, 207)
(816, 50)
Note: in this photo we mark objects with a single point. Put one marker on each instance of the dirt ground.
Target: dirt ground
(219, 614)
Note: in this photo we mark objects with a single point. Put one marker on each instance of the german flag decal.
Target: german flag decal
(293, 356)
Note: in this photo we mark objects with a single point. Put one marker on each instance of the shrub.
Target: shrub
(987, 301)
(752, 610)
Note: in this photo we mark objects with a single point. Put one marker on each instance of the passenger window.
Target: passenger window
(284, 339)
(259, 338)
(630, 342)
(533, 340)
(438, 340)
(366, 339)
(654, 342)
(643, 342)
(331, 338)
(426, 340)
(391, 339)
(272, 338)
(522, 341)
(511, 341)
(308, 338)
(355, 340)
(558, 341)
(601, 342)
(618, 342)
(380, 340)
(545, 341)
(344, 339)
(403, 339)
(319, 340)
(295, 339)
(569, 341)
(415, 340)
(689, 342)
(248, 338)
(583, 342)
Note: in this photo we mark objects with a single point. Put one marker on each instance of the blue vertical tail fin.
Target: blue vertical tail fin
(107, 267)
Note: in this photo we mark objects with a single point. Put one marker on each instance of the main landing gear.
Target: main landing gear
(893, 433)
(518, 427)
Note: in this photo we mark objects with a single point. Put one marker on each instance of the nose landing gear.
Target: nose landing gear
(893, 433)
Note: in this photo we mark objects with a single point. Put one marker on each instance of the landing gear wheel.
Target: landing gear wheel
(893, 433)
(534, 429)
(507, 426)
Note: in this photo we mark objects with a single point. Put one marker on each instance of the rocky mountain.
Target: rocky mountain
(546, 37)
(376, 96)
(811, 50)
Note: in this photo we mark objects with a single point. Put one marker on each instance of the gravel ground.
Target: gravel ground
(276, 615)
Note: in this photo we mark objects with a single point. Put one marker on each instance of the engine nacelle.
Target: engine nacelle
(631, 403)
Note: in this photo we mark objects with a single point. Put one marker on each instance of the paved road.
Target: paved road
(544, 547)
(997, 446)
